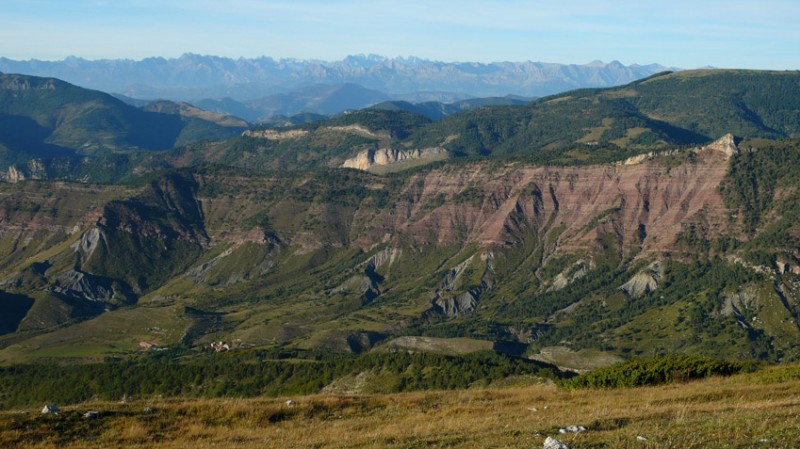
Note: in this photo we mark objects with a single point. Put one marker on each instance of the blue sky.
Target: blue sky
(762, 34)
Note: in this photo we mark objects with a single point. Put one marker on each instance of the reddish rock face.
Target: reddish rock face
(646, 204)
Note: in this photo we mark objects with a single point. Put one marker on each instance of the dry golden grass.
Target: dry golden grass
(738, 412)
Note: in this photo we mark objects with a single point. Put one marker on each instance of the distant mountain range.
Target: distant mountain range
(270, 83)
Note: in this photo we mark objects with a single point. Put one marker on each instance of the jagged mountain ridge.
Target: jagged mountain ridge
(258, 89)
(192, 77)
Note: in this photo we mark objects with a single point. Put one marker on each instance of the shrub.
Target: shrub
(654, 371)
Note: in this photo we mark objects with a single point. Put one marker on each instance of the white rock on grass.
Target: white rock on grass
(572, 429)
(50, 409)
(91, 414)
(552, 443)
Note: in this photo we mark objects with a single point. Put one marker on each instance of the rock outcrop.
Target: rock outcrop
(88, 242)
(273, 134)
(76, 285)
(577, 271)
(368, 281)
(13, 175)
(646, 205)
(33, 169)
(447, 301)
(368, 159)
(454, 306)
(645, 281)
(725, 146)
(737, 304)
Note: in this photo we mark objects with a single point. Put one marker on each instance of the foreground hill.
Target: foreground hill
(695, 415)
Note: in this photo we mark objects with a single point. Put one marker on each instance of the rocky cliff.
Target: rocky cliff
(369, 159)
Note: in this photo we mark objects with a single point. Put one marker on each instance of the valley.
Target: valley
(540, 240)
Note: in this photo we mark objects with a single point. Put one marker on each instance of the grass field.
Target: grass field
(744, 411)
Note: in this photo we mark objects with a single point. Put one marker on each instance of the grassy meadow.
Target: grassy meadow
(760, 409)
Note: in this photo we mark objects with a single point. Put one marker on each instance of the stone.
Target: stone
(552, 443)
(290, 403)
(91, 414)
(572, 429)
(49, 408)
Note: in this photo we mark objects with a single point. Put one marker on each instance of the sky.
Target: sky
(763, 34)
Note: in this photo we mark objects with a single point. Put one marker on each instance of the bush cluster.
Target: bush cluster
(654, 371)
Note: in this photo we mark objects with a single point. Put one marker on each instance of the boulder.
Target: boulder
(49, 408)
(552, 443)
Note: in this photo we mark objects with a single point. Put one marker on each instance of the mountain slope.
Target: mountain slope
(673, 109)
(57, 115)
(188, 111)
(319, 99)
(437, 111)
(577, 127)
(715, 102)
(654, 255)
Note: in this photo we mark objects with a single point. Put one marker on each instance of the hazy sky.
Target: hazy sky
(722, 33)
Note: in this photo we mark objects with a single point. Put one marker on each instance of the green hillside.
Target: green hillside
(578, 127)
(670, 109)
(48, 118)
